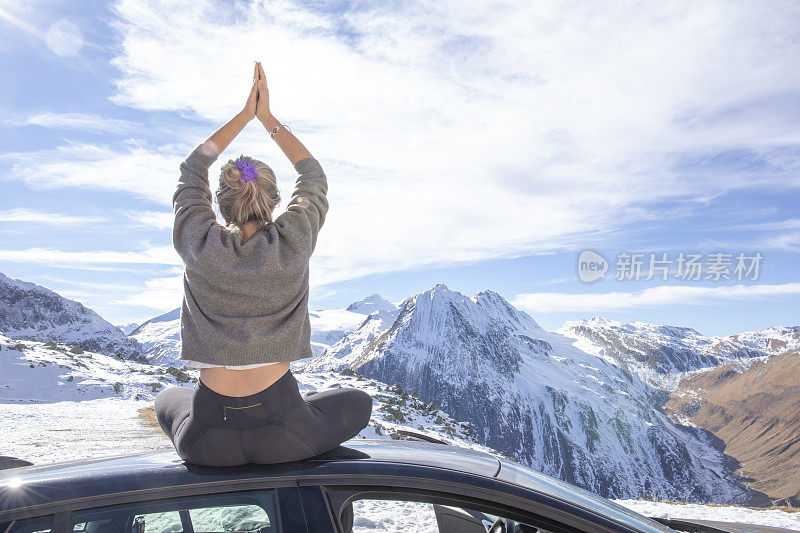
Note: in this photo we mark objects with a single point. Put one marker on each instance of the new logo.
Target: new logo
(591, 266)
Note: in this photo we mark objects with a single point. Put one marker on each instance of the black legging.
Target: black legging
(275, 425)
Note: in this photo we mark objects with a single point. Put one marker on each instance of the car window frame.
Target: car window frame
(179, 503)
(6, 527)
(67, 505)
(469, 489)
(287, 504)
(339, 498)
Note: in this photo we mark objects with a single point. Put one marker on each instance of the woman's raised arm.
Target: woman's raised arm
(221, 138)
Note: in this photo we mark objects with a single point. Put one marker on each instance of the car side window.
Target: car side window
(392, 515)
(396, 515)
(235, 518)
(41, 524)
(246, 512)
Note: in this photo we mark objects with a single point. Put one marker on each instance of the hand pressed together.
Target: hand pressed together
(262, 110)
(251, 106)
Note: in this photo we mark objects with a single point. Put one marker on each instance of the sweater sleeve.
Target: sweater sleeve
(191, 204)
(304, 216)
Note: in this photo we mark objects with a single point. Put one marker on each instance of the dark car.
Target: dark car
(366, 485)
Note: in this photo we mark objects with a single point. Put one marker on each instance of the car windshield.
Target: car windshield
(531, 479)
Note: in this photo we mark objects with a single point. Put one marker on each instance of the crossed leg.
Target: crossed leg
(313, 423)
(173, 406)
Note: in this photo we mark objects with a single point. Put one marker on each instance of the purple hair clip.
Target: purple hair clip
(249, 172)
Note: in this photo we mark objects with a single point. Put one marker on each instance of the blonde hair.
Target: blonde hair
(251, 200)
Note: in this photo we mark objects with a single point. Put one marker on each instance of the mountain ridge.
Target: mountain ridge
(753, 406)
(532, 395)
(32, 312)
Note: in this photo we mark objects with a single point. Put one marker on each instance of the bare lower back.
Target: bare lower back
(242, 382)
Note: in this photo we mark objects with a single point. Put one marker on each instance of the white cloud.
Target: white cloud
(79, 121)
(23, 214)
(147, 173)
(162, 294)
(555, 302)
(453, 132)
(160, 255)
(104, 288)
(789, 241)
(791, 223)
(17, 21)
(155, 219)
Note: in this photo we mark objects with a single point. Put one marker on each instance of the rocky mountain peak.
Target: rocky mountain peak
(30, 311)
(373, 302)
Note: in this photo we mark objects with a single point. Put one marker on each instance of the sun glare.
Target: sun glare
(64, 38)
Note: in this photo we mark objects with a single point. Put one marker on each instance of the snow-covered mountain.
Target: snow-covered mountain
(661, 355)
(373, 302)
(775, 340)
(532, 395)
(128, 328)
(160, 338)
(329, 327)
(52, 371)
(30, 311)
(353, 343)
(743, 388)
(753, 405)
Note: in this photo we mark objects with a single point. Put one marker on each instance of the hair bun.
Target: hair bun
(240, 203)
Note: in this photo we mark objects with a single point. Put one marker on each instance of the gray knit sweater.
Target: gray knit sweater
(245, 303)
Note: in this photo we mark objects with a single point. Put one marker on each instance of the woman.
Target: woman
(244, 315)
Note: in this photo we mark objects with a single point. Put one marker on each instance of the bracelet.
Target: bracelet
(276, 128)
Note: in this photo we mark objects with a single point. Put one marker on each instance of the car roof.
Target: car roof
(63, 481)
(384, 450)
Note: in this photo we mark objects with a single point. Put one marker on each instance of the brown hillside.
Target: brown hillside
(756, 413)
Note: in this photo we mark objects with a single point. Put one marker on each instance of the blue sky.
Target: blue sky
(481, 146)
